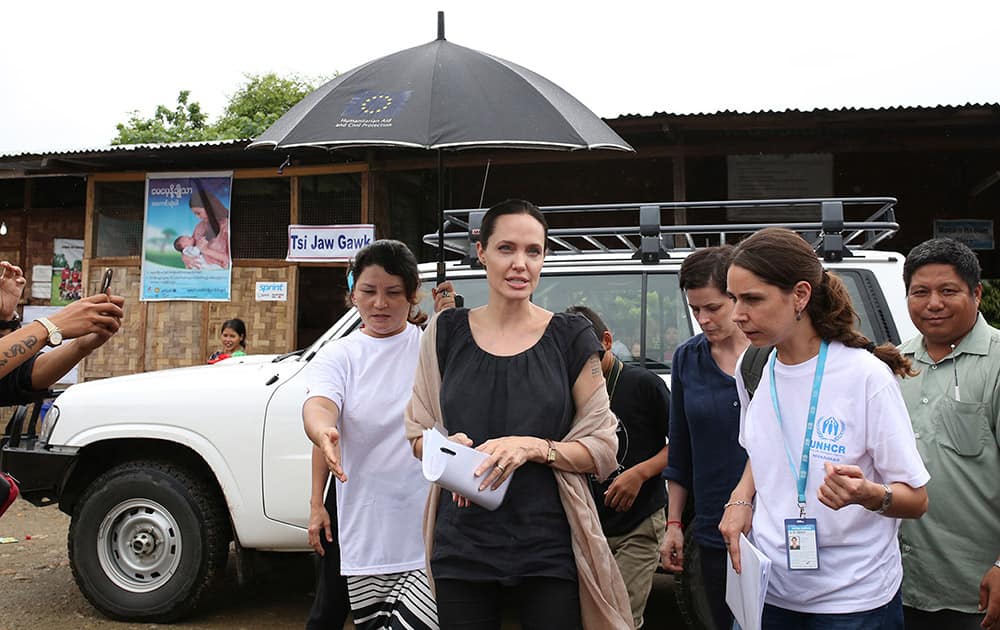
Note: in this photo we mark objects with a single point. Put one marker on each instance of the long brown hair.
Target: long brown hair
(782, 258)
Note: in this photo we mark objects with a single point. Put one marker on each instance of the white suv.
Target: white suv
(162, 471)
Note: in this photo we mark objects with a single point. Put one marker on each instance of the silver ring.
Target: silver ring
(444, 293)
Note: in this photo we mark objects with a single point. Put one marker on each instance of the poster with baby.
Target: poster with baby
(185, 239)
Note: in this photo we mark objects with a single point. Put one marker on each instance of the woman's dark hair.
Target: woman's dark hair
(944, 251)
(397, 260)
(214, 210)
(238, 327)
(782, 258)
(511, 206)
(706, 268)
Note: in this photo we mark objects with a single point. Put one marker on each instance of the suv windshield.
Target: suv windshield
(618, 299)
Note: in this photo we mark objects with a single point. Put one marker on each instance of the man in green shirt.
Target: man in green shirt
(951, 573)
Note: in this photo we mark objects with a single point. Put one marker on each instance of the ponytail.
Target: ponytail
(834, 318)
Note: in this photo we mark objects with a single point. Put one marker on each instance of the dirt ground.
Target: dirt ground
(37, 590)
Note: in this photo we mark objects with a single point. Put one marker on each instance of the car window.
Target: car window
(870, 305)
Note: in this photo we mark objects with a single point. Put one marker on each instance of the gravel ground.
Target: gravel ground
(37, 590)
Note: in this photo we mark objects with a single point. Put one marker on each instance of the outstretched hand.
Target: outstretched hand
(330, 445)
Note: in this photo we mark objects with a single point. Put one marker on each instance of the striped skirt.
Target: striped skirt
(400, 601)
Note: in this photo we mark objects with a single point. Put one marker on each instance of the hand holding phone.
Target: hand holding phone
(106, 282)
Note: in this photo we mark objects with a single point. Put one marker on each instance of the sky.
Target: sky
(70, 71)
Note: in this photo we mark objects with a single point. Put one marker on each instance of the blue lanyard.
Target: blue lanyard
(803, 473)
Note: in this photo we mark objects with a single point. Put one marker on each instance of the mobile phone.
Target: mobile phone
(106, 282)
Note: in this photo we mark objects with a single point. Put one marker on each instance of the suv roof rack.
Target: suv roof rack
(639, 229)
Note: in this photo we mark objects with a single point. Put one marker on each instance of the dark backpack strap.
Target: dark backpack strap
(752, 367)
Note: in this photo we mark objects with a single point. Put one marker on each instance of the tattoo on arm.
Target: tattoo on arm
(595, 366)
(19, 348)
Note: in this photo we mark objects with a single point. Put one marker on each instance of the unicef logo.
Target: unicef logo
(831, 429)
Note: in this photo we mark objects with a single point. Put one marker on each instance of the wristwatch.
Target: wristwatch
(551, 457)
(55, 335)
(886, 500)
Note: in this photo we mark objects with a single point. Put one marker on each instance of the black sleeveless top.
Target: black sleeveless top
(487, 396)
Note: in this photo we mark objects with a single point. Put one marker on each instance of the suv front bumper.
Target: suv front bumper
(41, 473)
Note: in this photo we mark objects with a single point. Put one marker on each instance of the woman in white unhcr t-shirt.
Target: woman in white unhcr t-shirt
(358, 388)
(827, 408)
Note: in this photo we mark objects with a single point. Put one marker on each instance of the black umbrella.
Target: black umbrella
(440, 96)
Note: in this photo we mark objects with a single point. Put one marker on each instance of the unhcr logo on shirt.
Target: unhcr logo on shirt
(827, 433)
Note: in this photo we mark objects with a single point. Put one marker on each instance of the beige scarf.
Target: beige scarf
(604, 603)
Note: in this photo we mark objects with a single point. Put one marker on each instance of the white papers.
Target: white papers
(41, 273)
(745, 591)
(451, 466)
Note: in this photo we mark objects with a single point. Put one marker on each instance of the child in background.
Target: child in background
(234, 341)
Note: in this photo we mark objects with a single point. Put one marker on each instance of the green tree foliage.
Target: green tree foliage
(184, 123)
(257, 103)
(989, 306)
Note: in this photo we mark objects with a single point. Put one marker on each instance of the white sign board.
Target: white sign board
(327, 243)
(272, 292)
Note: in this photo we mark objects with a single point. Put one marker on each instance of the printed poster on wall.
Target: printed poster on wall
(185, 238)
(67, 271)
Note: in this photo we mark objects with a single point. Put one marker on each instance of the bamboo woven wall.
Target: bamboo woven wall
(122, 354)
(270, 327)
(162, 335)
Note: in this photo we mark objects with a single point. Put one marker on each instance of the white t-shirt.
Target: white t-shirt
(860, 420)
(381, 506)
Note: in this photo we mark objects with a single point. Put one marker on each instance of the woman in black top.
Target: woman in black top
(512, 377)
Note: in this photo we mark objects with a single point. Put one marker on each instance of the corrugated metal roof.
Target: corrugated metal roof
(820, 110)
(122, 149)
(125, 148)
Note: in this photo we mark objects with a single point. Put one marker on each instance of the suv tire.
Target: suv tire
(147, 541)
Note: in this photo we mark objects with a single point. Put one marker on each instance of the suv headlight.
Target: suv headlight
(48, 424)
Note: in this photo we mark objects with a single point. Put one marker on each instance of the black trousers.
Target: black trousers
(713, 577)
(331, 605)
(542, 604)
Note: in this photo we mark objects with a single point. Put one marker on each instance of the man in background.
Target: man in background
(951, 572)
(630, 502)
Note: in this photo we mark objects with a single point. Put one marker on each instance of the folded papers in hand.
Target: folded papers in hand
(451, 466)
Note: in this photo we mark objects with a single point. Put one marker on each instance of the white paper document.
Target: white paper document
(451, 466)
(745, 591)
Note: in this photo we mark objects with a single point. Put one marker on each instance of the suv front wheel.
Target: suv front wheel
(147, 541)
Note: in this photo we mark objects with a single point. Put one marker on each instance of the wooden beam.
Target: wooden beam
(300, 171)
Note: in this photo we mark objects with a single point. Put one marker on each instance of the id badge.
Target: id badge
(802, 544)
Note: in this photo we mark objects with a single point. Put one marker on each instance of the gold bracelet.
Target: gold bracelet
(741, 502)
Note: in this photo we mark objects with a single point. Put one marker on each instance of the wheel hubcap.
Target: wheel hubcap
(139, 545)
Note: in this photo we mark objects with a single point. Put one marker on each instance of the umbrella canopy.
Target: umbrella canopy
(441, 96)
